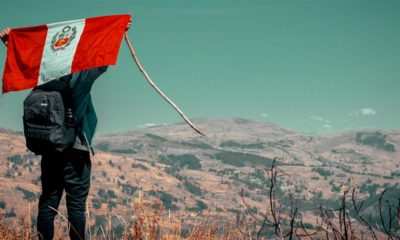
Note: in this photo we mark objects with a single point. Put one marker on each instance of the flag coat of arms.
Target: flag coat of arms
(36, 55)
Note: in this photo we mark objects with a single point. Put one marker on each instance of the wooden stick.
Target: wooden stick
(147, 77)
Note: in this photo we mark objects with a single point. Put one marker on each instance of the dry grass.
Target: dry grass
(21, 229)
(148, 222)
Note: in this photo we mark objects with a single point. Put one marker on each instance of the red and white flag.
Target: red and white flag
(36, 55)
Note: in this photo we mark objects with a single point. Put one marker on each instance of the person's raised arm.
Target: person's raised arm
(4, 35)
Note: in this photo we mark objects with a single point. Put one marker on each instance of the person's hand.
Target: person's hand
(129, 24)
(4, 35)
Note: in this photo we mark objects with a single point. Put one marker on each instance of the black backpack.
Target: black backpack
(49, 123)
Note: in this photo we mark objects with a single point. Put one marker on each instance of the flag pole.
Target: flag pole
(147, 77)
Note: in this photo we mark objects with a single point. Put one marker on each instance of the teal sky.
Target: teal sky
(310, 66)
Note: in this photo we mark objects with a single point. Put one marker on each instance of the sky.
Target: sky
(313, 66)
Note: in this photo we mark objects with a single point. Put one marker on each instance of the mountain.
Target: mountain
(203, 175)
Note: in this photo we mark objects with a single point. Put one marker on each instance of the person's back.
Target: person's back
(70, 170)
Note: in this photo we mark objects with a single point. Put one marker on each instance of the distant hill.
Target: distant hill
(203, 175)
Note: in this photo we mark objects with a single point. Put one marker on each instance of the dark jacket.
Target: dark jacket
(81, 84)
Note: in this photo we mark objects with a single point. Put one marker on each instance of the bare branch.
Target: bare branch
(306, 233)
(147, 77)
(381, 215)
(273, 174)
(357, 209)
(249, 208)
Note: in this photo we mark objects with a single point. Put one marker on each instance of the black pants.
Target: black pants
(70, 171)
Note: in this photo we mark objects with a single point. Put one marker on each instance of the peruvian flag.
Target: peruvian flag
(36, 55)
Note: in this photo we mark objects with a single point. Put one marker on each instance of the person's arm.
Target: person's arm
(4, 35)
(81, 84)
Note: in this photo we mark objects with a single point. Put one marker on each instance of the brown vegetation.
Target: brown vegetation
(150, 221)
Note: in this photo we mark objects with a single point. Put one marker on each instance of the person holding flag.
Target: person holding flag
(78, 51)
(57, 59)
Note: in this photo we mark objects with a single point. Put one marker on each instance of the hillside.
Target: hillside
(202, 176)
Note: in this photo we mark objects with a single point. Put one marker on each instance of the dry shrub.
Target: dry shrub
(214, 231)
(20, 229)
(150, 222)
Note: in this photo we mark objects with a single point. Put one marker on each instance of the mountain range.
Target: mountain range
(200, 176)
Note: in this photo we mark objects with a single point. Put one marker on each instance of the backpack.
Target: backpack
(49, 123)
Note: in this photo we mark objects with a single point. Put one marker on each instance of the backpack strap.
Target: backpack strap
(67, 96)
(61, 85)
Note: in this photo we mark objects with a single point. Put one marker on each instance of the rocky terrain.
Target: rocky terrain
(199, 176)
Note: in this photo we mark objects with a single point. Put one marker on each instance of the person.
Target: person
(69, 170)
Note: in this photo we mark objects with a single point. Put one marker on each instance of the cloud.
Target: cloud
(316, 118)
(146, 125)
(327, 126)
(319, 119)
(367, 111)
(264, 115)
(363, 112)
